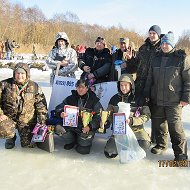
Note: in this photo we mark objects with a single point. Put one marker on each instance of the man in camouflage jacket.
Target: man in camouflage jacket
(22, 101)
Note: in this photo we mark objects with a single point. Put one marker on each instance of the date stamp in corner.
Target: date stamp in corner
(173, 163)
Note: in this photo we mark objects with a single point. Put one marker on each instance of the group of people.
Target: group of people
(9, 48)
(155, 80)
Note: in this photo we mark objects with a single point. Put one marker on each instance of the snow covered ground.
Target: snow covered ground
(35, 169)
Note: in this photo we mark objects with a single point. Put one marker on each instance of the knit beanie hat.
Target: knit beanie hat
(156, 29)
(169, 39)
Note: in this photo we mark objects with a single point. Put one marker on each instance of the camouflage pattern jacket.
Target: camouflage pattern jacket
(57, 55)
(27, 108)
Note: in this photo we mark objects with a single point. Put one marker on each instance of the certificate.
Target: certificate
(119, 124)
(72, 116)
(39, 133)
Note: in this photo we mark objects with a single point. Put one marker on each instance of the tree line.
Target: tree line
(29, 26)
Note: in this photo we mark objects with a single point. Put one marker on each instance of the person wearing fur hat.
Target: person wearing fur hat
(80, 136)
(23, 102)
(138, 115)
(96, 62)
(62, 57)
(168, 88)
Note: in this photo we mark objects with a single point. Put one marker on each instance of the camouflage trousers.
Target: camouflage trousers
(25, 133)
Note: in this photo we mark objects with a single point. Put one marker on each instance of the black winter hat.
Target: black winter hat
(156, 29)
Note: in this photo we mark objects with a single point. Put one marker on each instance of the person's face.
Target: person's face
(125, 87)
(123, 46)
(153, 36)
(99, 46)
(81, 90)
(61, 43)
(166, 47)
(20, 77)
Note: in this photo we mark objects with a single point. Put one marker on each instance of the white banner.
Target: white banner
(63, 85)
(105, 91)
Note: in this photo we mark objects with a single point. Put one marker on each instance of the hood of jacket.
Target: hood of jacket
(126, 78)
(62, 35)
(22, 66)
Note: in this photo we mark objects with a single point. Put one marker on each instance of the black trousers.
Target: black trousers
(75, 135)
(168, 119)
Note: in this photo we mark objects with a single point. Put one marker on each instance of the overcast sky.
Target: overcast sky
(136, 15)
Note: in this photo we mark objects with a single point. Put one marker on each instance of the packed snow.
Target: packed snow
(33, 169)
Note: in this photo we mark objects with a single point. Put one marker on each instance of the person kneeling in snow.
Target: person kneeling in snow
(138, 115)
(23, 102)
(81, 136)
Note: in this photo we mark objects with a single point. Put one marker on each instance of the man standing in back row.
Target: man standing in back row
(168, 87)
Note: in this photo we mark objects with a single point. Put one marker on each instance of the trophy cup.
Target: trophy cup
(104, 116)
(86, 118)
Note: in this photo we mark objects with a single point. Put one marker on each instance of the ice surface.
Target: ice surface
(35, 169)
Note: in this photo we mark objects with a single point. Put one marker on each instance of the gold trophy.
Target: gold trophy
(104, 116)
(86, 118)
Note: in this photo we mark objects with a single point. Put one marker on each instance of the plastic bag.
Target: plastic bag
(127, 145)
(128, 148)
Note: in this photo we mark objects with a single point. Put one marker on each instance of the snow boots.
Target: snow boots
(10, 143)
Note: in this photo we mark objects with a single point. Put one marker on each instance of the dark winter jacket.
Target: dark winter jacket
(9, 46)
(168, 81)
(99, 63)
(131, 64)
(144, 56)
(88, 102)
